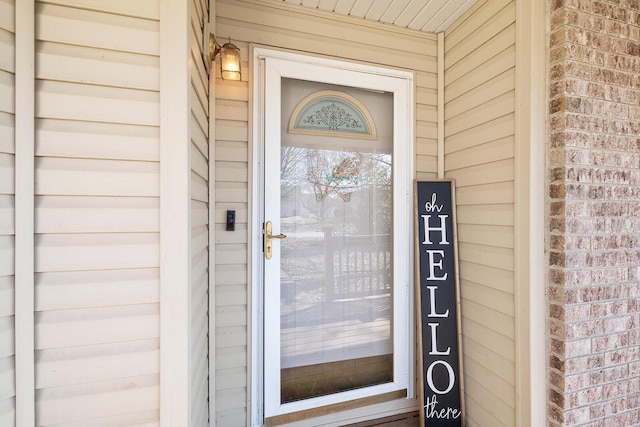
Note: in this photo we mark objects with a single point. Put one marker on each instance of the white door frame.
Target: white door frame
(378, 78)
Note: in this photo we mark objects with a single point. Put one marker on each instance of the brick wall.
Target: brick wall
(594, 213)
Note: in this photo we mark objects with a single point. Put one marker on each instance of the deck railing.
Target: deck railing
(357, 266)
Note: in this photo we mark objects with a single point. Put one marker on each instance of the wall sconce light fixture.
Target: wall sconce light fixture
(229, 58)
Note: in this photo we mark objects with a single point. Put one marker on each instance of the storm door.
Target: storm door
(335, 241)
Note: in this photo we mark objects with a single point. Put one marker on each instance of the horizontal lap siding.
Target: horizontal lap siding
(231, 192)
(7, 212)
(199, 159)
(316, 33)
(479, 155)
(97, 213)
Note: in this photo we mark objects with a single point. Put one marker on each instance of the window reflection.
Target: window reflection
(336, 271)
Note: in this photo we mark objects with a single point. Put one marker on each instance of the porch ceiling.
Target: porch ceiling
(431, 16)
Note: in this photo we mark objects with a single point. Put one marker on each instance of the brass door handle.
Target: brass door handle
(268, 239)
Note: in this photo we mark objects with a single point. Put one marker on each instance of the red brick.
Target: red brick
(609, 342)
(577, 416)
(618, 324)
(584, 329)
(584, 397)
(578, 347)
(594, 213)
(633, 401)
(577, 382)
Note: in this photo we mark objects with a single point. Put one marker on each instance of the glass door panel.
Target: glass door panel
(336, 263)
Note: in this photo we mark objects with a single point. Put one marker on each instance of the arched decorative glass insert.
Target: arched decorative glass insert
(332, 113)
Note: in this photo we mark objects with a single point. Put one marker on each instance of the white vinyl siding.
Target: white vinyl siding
(479, 155)
(7, 212)
(313, 32)
(231, 192)
(97, 213)
(199, 159)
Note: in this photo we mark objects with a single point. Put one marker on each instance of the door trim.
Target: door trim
(403, 108)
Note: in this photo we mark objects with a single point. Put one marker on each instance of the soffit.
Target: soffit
(430, 16)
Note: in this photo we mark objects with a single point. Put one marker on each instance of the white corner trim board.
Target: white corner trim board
(175, 225)
(530, 169)
(24, 212)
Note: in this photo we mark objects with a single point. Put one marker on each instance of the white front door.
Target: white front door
(336, 257)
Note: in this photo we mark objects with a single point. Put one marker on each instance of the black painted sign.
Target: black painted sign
(436, 245)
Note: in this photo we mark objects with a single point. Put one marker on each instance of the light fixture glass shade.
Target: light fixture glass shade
(230, 62)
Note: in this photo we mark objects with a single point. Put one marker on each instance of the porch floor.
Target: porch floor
(411, 419)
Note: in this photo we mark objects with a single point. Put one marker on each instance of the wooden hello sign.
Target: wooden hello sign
(438, 305)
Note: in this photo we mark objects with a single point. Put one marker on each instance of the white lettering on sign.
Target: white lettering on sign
(432, 299)
(452, 377)
(437, 277)
(433, 264)
(432, 206)
(434, 342)
(444, 413)
(442, 229)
